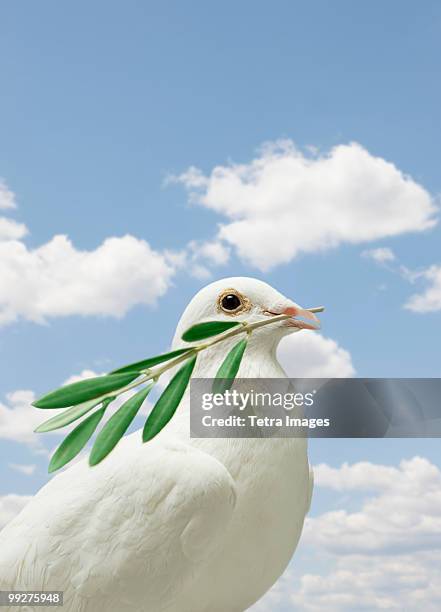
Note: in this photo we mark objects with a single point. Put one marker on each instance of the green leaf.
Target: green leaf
(75, 441)
(230, 366)
(68, 416)
(147, 363)
(117, 425)
(169, 400)
(84, 390)
(200, 331)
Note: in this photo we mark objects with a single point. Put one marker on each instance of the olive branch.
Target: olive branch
(82, 397)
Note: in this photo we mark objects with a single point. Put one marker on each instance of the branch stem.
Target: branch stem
(240, 329)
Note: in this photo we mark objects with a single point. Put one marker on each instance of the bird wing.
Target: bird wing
(134, 529)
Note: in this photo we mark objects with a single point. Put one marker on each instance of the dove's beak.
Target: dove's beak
(297, 315)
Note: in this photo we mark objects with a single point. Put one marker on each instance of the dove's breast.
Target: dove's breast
(273, 494)
(273, 486)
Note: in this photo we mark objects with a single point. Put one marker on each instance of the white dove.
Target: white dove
(176, 524)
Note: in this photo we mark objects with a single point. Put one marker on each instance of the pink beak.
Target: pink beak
(297, 311)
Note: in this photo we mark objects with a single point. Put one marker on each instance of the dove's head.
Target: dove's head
(246, 299)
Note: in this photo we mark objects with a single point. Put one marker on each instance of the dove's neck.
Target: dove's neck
(259, 360)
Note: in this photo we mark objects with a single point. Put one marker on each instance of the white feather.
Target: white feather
(177, 524)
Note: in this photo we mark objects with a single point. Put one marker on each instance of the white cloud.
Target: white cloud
(284, 202)
(384, 555)
(18, 418)
(10, 506)
(311, 355)
(380, 255)
(200, 272)
(11, 230)
(57, 279)
(7, 197)
(26, 469)
(430, 299)
(404, 514)
(278, 598)
(359, 476)
(405, 582)
(427, 301)
(200, 256)
(83, 375)
(213, 251)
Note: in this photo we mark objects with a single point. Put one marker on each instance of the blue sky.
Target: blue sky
(102, 102)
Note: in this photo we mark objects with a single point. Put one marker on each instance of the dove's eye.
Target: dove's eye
(231, 301)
